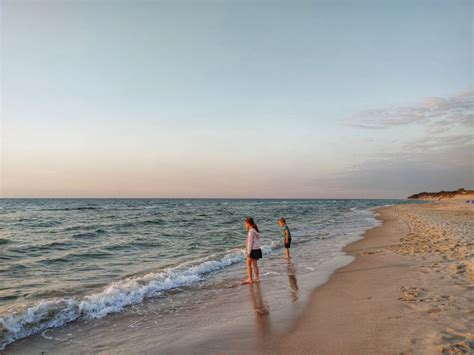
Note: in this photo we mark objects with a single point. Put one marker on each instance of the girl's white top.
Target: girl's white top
(253, 240)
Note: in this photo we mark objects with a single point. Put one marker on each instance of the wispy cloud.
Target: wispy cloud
(400, 174)
(438, 143)
(433, 111)
(439, 156)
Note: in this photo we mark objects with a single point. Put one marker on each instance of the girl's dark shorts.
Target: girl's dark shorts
(287, 245)
(256, 254)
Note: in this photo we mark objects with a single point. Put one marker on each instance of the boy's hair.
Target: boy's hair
(282, 220)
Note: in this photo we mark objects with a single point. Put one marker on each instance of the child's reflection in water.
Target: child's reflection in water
(262, 313)
(293, 281)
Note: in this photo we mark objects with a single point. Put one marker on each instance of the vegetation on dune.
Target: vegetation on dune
(442, 194)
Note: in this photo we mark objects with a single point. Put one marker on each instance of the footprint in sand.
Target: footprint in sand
(371, 252)
(410, 294)
(435, 309)
(456, 344)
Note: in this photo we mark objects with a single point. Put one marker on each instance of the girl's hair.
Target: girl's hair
(252, 223)
(282, 220)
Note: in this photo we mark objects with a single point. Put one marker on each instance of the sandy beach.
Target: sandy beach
(409, 290)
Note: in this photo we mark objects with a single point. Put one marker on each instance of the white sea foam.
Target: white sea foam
(114, 298)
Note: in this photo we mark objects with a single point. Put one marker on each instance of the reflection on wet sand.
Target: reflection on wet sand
(262, 313)
(293, 281)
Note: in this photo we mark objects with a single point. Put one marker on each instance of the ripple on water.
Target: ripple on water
(74, 256)
(84, 208)
(121, 246)
(46, 224)
(91, 234)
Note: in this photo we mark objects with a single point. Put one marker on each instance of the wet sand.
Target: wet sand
(409, 290)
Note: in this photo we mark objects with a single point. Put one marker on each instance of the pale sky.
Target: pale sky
(305, 99)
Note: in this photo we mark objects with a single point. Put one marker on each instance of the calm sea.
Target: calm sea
(64, 260)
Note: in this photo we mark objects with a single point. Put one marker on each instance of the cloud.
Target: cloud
(433, 111)
(438, 143)
(438, 156)
(403, 173)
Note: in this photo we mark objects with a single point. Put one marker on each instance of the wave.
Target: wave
(89, 229)
(89, 234)
(81, 254)
(82, 208)
(55, 245)
(53, 313)
(45, 224)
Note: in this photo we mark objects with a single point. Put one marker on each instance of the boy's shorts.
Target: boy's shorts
(287, 245)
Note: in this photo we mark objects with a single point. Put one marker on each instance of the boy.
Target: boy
(285, 233)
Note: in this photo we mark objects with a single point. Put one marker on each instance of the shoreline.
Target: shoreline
(387, 301)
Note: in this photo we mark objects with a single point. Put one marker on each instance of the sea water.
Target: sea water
(69, 260)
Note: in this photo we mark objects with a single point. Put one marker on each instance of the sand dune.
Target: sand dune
(459, 194)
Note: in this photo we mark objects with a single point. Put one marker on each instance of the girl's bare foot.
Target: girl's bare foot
(245, 282)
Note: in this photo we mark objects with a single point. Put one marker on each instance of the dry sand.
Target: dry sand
(409, 290)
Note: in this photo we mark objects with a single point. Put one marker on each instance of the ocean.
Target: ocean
(76, 262)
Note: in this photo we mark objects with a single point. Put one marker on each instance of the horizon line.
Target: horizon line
(200, 198)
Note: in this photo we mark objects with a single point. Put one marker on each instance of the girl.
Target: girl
(253, 249)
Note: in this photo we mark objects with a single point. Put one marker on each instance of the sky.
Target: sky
(269, 99)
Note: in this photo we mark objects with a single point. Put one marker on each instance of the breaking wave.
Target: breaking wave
(115, 297)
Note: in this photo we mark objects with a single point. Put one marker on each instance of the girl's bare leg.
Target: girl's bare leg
(287, 252)
(257, 271)
(249, 270)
